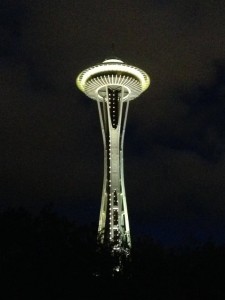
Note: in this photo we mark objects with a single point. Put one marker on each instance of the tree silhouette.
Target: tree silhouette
(47, 256)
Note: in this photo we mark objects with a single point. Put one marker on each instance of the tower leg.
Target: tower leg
(113, 219)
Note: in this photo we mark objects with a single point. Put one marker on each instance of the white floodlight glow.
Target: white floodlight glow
(113, 84)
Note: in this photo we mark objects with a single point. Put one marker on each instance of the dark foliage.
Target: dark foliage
(48, 257)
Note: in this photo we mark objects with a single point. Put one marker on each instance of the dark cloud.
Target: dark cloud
(51, 147)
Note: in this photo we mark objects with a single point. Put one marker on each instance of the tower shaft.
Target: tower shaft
(113, 219)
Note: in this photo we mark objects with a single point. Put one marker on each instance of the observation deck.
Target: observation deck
(114, 73)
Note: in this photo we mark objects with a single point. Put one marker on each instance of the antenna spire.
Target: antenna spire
(113, 49)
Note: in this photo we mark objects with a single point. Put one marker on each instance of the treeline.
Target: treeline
(49, 257)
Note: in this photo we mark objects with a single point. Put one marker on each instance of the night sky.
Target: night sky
(51, 148)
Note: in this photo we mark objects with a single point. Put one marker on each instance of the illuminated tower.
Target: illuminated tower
(113, 84)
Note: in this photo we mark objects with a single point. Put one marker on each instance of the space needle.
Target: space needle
(113, 84)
